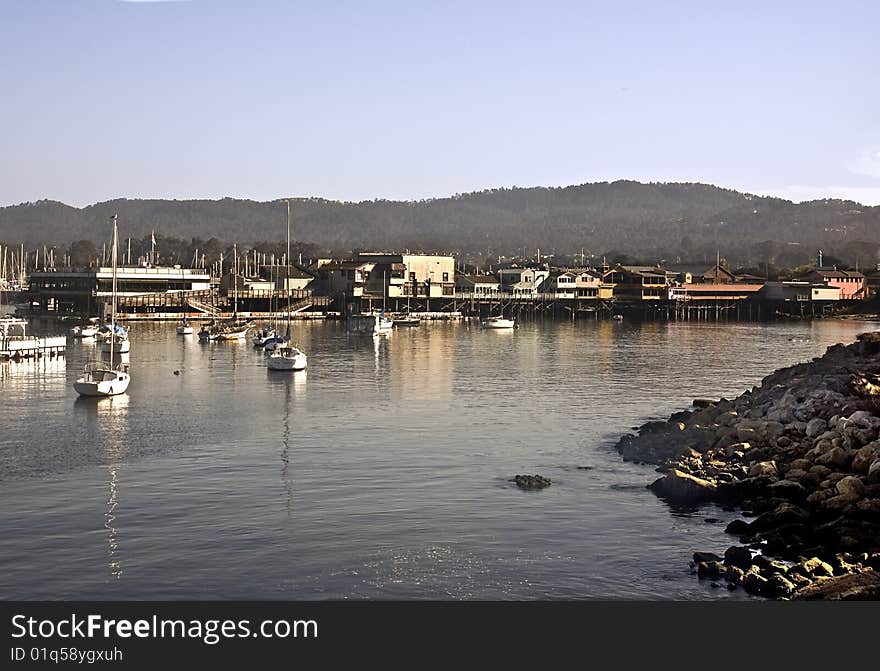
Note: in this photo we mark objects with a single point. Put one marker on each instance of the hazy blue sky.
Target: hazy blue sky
(362, 100)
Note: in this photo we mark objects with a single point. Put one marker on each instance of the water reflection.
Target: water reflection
(36, 368)
(113, 561)
(107, 422)
(289, 383)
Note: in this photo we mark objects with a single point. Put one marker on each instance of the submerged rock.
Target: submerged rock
(531, 481)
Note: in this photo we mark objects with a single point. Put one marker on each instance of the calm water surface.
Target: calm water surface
(381, 472)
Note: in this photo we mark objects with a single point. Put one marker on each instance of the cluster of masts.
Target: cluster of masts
(15, 262)
(100, 380)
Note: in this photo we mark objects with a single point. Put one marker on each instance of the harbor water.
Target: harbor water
(382, 472)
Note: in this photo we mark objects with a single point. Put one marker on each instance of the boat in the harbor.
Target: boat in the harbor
(228, 329)
(106, 380)
(405, 319)
(264, 335)
(285, 356)
(498, 323)
(617, 318)
(370, 323)
(114, 339)
(16, 343)
(84, 331)
(184, 327)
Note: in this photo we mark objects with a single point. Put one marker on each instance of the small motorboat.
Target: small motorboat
(498, 323)
(85, 331)
(397, 322)
(184, 327)
(617, 318)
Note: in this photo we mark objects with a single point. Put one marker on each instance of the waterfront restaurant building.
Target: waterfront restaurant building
(87, 291)
(374, 274)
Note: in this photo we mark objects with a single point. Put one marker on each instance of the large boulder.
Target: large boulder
(864, 457)
(683, 488)
(764, 468)
(863, 586)
(738, 556)
(816, 427)
(783, 515)
(852, 487)
(754, 583)
(788, 489)
(737, 528)
(712, 570)
(778, 587)
(836, 456)
(813, 567)
(874, 472)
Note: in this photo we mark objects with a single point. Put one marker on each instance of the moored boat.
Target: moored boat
(498, 323)
(371, 323)
(184, 327)
(287, 358)
(106, 380)
(84, 331)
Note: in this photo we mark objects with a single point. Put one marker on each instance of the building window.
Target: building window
(412, 277)
(445, 277)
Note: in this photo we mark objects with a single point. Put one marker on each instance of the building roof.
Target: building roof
(345, 265)
(833, 273)
(478, 279)
(705, 287)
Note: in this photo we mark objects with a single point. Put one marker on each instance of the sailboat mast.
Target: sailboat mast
(235, 280)
(113, 299)
(287, 274)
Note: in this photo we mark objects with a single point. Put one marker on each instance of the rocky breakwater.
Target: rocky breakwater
(799, 457)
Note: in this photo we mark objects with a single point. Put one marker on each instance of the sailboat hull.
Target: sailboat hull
(234, 335)
(298, 362)
(102, 383)
(119, 347)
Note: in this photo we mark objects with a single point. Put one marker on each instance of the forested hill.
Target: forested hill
(658, 220)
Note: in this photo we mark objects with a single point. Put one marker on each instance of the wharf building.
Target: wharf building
(141, 288)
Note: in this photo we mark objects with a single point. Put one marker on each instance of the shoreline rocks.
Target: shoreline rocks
(801, 453)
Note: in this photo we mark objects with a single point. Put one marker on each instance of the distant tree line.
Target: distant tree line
(624, 220)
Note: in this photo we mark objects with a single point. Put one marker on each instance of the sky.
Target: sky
(257, 99)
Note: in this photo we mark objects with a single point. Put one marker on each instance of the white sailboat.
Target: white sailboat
(286, 356)
(184, 327)
(498, 323)
(116, 339)
(229, 329)
(97, 379)
(84, 331)
(268, 334)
